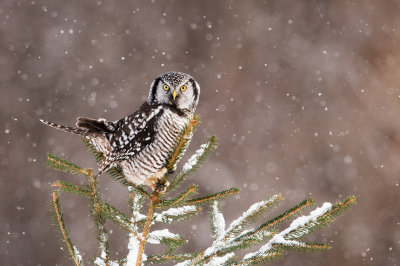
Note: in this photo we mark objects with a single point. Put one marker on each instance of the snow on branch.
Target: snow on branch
(255, 209)
(133, 250)
(194, 162)
(275, 242)
(183, 141)
(171, 240)
(280, 239)
(157, 236)
(224, 240)
(148, 208)
(222, 260)
(217, 220)
(299, 227)
(176, 214)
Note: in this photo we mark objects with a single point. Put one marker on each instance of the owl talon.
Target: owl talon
(171, 171)
(162, 187)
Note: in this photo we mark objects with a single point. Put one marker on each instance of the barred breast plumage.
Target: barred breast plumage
(152, 158)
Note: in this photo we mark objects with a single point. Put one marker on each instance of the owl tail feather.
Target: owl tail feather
(77, 131)
(94, 125)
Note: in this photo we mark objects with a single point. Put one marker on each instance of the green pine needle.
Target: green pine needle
(62, 164)
(98, 156)
(178, 199)
(207, 148)
(173, 244)
(136, 199)
(71, 188)
(59, 221)
(252, 213)
(117, 216)
(181, 145)
(304, 247)
(153, 259)
(268, 257)
(279, 219)
(335, 211)
(219, 195)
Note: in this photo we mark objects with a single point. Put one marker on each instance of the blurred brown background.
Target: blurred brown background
(304, 96)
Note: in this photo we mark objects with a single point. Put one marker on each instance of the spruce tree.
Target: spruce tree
(163, 206)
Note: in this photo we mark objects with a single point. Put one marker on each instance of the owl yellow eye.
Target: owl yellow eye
(166, 87)
(183, 88)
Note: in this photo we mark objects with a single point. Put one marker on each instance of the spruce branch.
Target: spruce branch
(181, 145)
(176, 214)
(299, 227)
(267, 257)
(194, 162)
(117, 174)
(277, 220)
(171, 240)
(72, 250)
(147, 209)
(178, 199)
(71, 188)
(98, 156)
(142, 243)
(166, 258)
(219, 195)
(322, 220)
(224, 241)
(255, 210)
(136, 201)
(100, 221)
(120, 218)
(62, 164)
(221, 260)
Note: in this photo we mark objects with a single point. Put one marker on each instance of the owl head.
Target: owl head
(176, 89)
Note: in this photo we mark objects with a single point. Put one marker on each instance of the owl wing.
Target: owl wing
(132, 134)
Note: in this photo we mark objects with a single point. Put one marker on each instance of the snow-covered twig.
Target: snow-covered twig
(281, 238)
(175, 214)
(224, 239)
(157, 236)
(133, 251)
(217, 220)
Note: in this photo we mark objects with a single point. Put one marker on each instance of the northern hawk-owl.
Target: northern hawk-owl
(142, 142)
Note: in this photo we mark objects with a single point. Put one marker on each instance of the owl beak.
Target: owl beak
(174, 94)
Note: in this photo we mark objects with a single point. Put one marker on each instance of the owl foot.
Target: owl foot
(161, 188)
(171, 171)
(154, 180)
(156, 184)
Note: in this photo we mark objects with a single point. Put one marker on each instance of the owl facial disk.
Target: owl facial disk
(176, 89)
